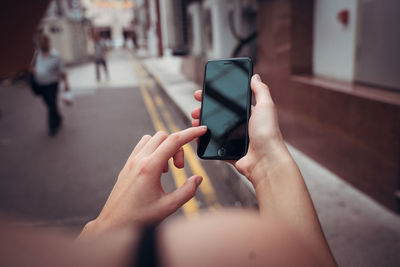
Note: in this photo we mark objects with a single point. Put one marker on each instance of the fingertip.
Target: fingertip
(196, 179)
(198, 95)
(179, 159)
(203, 128)
(195, 113)
(260, 89)
(179, 163)
(257, 77)
(195, 123)
(255, 81)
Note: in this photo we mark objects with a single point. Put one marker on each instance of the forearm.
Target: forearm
(282, 194)
(24, 246)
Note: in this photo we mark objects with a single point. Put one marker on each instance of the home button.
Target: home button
(221, 152)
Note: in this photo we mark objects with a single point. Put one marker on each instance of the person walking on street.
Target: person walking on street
(48, 69)
(100, 50)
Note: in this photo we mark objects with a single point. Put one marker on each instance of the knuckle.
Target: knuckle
(173, 204)
(266, 87)
(122, 173)
(162, 134)
(146, 136)
(175, 137)
(131, 164)
(170, 204)
(268, 104)
(262, 87)
(144, 165)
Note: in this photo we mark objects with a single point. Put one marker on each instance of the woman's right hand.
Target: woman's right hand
(267, 149)
(138, 197)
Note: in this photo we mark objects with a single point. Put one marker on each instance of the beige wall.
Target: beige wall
(71, 40)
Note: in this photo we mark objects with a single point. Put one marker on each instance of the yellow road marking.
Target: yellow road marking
(159, 101)
(157, 79)
(195, 165)
(206, 186)
(158, 125)
(190, 208)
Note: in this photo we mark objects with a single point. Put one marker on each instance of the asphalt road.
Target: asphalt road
(64, 181)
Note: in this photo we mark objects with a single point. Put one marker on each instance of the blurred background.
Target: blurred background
(333, 68)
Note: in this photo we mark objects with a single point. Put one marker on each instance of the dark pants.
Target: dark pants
(100, 62)
(49, 95)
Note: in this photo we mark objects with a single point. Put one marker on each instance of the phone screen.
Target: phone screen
(225, 109)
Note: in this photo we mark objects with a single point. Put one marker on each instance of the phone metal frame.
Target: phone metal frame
(248, 107)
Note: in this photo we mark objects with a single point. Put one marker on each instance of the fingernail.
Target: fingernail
(203, 127)
(257, 77)
(198, 180)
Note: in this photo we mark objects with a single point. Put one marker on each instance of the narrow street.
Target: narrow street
(68, 184)
(63, 182)
(331, 69)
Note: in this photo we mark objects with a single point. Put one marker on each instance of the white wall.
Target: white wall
(152, 39)
(115, 17)
(164, 23)
(71, 40)
(195, 12)
(223, 41)
(334, 43)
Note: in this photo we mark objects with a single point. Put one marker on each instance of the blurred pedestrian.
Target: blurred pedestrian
(48, 69)
(134, 39)
(134, 35)
(125, 34)
(100, 50)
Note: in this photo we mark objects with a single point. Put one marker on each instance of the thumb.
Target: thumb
(181, 195)
(260, 90)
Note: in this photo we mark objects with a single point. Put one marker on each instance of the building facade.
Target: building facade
(69, 30)
(332, 67)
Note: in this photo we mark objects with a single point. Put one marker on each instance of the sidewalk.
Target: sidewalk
(359, 231)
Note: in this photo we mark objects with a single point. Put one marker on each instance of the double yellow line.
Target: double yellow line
(180, 176)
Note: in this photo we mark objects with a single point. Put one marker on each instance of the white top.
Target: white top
(48, 69)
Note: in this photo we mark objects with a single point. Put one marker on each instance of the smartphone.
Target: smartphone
(225, 109)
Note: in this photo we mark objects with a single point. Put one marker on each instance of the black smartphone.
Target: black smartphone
(225, 109)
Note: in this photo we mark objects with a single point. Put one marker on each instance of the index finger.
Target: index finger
(174, 142)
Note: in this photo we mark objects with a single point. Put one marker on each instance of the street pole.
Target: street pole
(158, 25)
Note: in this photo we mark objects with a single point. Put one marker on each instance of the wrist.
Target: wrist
(269, 165)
